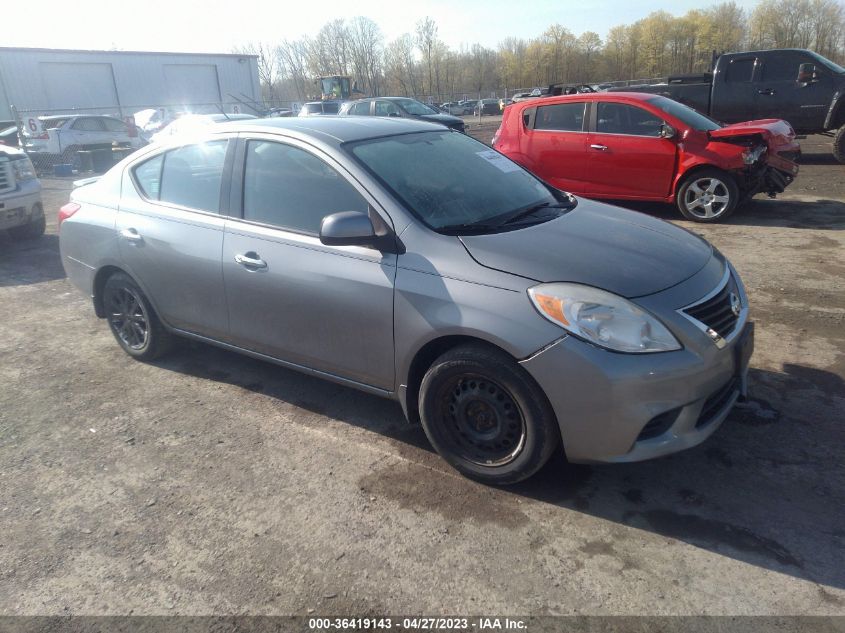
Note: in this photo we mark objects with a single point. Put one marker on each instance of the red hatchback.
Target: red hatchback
(634, 146)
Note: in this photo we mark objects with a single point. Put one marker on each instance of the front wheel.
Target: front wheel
(709, 196)
(132, 320)
(839, 144)
(486, 416)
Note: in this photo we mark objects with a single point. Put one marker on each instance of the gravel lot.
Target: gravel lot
(212, 483)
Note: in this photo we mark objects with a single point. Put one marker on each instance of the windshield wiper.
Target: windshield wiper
(523, 213)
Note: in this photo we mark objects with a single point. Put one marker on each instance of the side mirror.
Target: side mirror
(667, 131)
(806, 74)
(348, 228)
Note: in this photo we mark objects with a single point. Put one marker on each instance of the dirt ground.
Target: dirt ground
(212, 483)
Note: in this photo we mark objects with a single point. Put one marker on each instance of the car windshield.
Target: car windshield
(454, 183)
(694, 119)
(826, 62)
(415, 107)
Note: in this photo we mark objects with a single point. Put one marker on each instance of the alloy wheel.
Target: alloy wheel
(707, 198)
(128, 318)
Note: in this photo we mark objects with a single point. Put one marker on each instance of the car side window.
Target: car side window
(620, 118)
(189, 176)
(290, 188)
(386, 108)
(113, 125)
(360, 109)
(740, 70)
(780, 68)
(567, 117)
(148, 176)
(89, 125)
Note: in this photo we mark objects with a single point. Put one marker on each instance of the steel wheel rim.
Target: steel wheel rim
(128, 318)
(707, 198)
(482, 420)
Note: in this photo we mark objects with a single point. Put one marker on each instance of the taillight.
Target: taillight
(66, 211)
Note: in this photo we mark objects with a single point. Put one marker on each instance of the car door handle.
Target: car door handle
(250, 261)
(766, 91)
(131, 235)
(599, 147)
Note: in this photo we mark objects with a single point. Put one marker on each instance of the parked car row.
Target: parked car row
(399, 257)
(21, 210)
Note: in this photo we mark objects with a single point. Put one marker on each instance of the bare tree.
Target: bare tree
(426, 31)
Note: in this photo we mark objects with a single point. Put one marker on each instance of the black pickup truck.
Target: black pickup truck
(796, 85)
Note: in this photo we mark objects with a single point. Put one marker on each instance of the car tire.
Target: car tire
(707, 195)
(132, 320)
(486, 416)
(839, 145)
(31, 230)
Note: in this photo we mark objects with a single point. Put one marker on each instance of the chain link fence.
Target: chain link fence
(76, 143)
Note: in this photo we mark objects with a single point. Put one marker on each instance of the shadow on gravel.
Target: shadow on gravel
(818, 158)
(760, 490)
(793, 214)
(29, 261)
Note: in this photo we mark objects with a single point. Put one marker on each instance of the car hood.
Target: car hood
(776, 133)
(628, 253)
(446, 119)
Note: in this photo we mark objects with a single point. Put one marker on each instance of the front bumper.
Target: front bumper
(615, 407)
(18, 208)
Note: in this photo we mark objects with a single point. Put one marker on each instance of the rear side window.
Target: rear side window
(290, 188)
(386, 108)
(113, 125)
(189, 176)
(567, 117)
(740, 70)
(148, 176)
(89, 125)
(620, 118)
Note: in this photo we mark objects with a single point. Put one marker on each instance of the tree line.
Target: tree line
(420, 64)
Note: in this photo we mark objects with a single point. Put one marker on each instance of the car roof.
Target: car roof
(55, 117)
(587, 96)
(335, 130)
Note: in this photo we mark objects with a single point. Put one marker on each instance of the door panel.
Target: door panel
(173, 251)
(780, 96)
(735, 93)
(557, 145)
(327, 308)
(627, 158)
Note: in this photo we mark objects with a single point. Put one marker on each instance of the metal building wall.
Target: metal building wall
(116, 82)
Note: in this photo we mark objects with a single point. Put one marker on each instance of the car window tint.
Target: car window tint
(360, 109)
(563, 116)
(148, 176)
(619, 118)
(288, 187)
(192, 175)
(89, 125)
(386, 108)
(780, 68)
(113, 125)
(740, 70)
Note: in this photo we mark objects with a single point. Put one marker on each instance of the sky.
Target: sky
(217, 27)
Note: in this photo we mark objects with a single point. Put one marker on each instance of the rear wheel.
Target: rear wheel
(486, 416)
(708, 195)
(839, 144)
(132, 320)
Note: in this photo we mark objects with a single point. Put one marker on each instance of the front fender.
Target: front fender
(836, 112)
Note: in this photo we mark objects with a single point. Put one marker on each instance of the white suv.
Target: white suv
(21, 211)
(63, 136)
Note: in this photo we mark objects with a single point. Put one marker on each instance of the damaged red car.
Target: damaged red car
(634, 146)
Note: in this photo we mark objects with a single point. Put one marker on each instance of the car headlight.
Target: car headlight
(23, 169)
(602, 318)
(751, 156)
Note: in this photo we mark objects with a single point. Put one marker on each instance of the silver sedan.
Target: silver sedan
(413, 262)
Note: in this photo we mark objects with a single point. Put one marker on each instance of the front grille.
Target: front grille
(7, 183)
(715, 403)
(717, 313)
